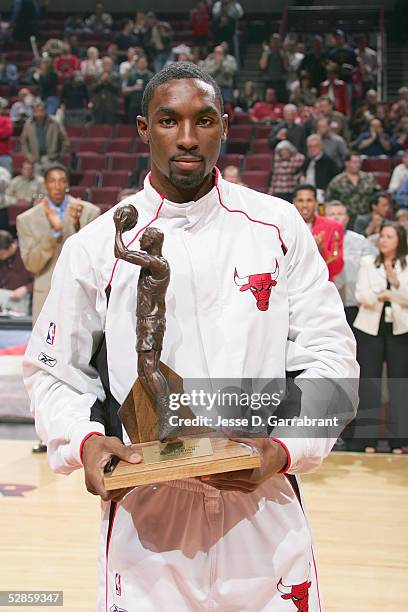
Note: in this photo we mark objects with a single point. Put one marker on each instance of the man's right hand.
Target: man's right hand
(96, 452)
(52, 216)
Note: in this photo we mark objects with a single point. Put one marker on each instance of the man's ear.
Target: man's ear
(224, 127)
(143, 128)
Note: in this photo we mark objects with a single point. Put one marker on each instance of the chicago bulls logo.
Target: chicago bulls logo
(259, 284)
(298, 593)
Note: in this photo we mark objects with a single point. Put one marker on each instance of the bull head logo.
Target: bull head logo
(298, 593)
(259, 284)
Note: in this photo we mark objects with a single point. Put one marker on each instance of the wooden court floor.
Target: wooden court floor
(357, 505)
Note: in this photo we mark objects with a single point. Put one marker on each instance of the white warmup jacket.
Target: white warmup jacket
(371, 281)
(183, 545)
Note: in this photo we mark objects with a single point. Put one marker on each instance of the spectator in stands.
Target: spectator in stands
(22, 109)
(268, 111)
(287, 163)
(6, 132)
(367, 61)
(125, 38)
(400, 139)
(334, 146)
(5, 178)
(75, 25)
(355, 247)
(401, 216)
(369, 225)
(223, 68)
(327, 233)
(67, 63)
(274, 65)
(401, 195)
(245, 100)
(302, 91)
(23, 19)
(382, 324)
(129, 64)
(288, 129)
(48, 86)
(8, 74)
(43, 139)
(159, 37)
(226, 14)
(92, 66)
(104, 94)
(353, 188)
(232, 174)
(112, 53)
(375, 142)
(100, 21)
(360, 121)
(336, 90)
(200, 26)
(341, 52)
(134, 87)
(399, 173)
(318, 169)
(43, 229)
(26, 187)
(13, 275)
(293, 60)
(314, 62)
(140, 29)
(75, 100)
(324, 108)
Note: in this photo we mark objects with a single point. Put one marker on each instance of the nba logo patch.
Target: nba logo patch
(51, 333)
(118, 585)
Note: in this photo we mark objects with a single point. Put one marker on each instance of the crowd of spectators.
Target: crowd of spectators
(328, 143)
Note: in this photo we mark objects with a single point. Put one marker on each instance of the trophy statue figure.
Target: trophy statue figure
(152, 285)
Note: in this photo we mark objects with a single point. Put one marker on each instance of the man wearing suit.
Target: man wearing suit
(319, 168)
(370, 224)
(43, 229)
(328, 233)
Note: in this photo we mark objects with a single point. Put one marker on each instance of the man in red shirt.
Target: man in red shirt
(6, 131)
(268, 111)
(200, 26)
(327, 233)
(67, 63)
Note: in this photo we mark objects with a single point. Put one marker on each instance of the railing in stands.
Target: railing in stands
(382, 58)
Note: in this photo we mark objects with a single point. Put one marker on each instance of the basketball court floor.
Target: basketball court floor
(357, 505)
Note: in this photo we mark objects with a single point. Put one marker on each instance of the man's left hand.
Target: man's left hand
(75, 209)
(273, 459)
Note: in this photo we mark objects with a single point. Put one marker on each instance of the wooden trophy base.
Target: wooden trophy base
(226, 456)
(194, 451)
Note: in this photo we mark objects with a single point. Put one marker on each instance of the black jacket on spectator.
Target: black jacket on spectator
(48, 84)
(74, 96)
(295, 135)
(362, 222)
(326, 169)
(315, 65)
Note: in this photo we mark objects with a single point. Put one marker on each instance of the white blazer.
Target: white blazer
(371, 281)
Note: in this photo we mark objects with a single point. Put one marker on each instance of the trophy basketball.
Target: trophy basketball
(169, 453)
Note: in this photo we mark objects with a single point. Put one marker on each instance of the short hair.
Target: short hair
(327, 99)
(155, 234)
(174, 72)
(5, 239)
(313, 137)
(55, 166)
(305, 187)
(351, 154)
(376, 198)
(335, 203)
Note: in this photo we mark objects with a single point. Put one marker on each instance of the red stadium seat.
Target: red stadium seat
(259, 161)
(90, 145)
(91, 161)
(79, 192)
(16, 209)
(89, 179)
(383, 179)
(126, 131)
(232, 159)
(105, 196)
(263, 131)
(242, 118)
(256, 180)
(18, 159)
(122, 161)
(75, 131)
(141, 147)
(240, 132)
(376, 164)
(100, 131)
(261, 146)
(118, 178)
(120, 145)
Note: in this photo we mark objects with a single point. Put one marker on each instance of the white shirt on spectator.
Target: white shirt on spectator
(398, 175)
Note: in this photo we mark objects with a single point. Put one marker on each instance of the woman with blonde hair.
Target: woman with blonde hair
(92, 66)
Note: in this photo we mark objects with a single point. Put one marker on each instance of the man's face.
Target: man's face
(141, 64)
(270, 96)
(27, 170)
(404, 124)
(107, 65)
(275, 43)
(6, 253)
(376, 126)
(288, 115)
(184, 129)
(323, 127)
(338, 213)
(353, 165)
(382, 207)
(56, 185)
(324, 107)
(371, 97)
(314, 147)
(306, 203)
(39, 113)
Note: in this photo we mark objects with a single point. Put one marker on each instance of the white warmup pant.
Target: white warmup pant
(184, 546)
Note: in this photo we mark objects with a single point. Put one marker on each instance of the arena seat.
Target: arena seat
(261, 146)
(125, 131)
(89, 179)
(91, 161)
(88, 145)
(120, 145)
(122, 161)
(104, 195)
(232, 159)
(259, 161)
(383, 179)
(99, 131)
(118, 178)
(376, 164)
(79, 192)
(256, 180)
(263, 131)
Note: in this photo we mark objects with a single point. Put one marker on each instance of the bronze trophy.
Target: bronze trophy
(168, 453)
